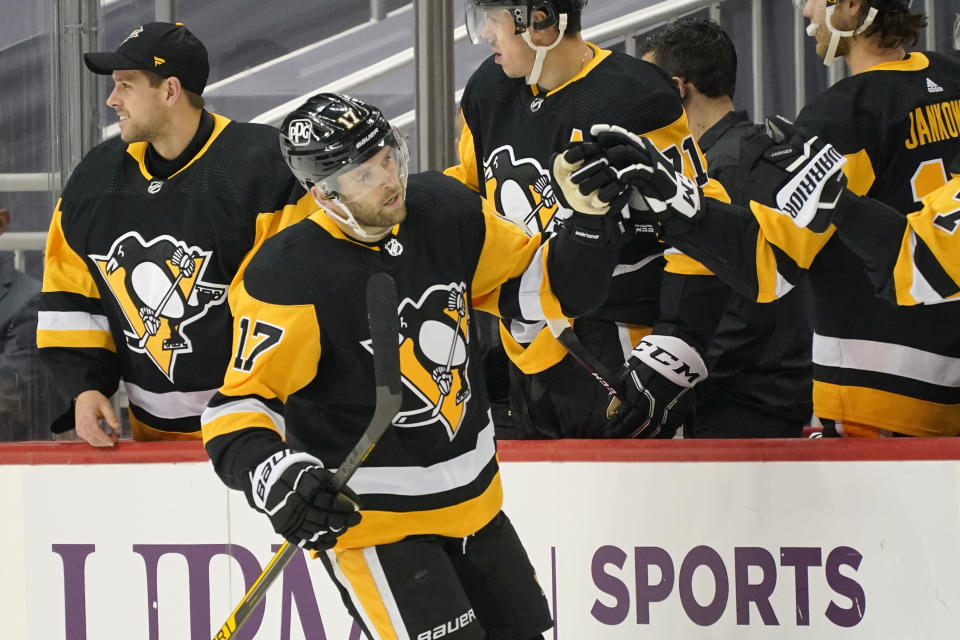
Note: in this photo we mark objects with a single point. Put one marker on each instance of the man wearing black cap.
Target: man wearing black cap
(148, 235)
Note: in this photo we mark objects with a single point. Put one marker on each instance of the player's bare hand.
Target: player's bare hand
(92, 407)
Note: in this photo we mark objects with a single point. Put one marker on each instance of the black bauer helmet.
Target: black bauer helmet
(330, 134)
(477, 12)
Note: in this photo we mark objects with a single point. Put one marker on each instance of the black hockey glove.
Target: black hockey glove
(655, 383)
(599, 212)
(640, 166)
(802, 178)
(294, 490)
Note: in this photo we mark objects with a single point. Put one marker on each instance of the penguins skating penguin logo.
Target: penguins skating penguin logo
(521, 190)
(160, 289)
(434, 358)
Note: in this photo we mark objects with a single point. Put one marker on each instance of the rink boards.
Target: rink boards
(631, 540)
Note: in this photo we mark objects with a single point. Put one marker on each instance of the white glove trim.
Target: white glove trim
(672, 358)
(267, 472)
(800, 197)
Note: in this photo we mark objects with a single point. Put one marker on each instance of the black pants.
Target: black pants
(474, 588)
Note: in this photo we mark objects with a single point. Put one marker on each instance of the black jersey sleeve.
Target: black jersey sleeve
(73, 332)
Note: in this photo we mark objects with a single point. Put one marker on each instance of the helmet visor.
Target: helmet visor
(485, 23)
(383, 166)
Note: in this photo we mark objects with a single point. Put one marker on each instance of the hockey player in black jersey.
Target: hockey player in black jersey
(542, 88)
(760, 372)
(800, 203)
(430, 543)
(895, 124)
(148, 234)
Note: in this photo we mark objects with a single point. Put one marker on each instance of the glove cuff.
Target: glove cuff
(596, 231)
(268, 472)
(672, 358)
(847, 202)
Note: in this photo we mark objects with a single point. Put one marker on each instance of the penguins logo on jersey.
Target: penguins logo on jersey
(520, 189)
(160, 289)
(434, 358)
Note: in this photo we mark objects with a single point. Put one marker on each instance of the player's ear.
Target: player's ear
(681, 86)
(172, 90)
(319, 195)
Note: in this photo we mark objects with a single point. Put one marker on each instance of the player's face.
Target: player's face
(374, 191)
(138, 105)
(816, 12)
(510, 51)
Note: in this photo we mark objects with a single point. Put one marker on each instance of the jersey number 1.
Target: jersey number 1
(271, 337)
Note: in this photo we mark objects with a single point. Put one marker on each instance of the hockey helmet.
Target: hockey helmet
(331, 134)
(479, 11)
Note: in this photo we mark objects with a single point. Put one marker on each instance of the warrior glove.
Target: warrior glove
(583, 182)
(297, 494)
(800, 177)
(656, 381)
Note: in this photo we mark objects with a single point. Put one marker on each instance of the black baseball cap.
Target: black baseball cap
(161, 47)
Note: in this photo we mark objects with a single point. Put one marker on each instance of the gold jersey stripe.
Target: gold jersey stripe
(885, 410)
(466, 170)
(801, 244)
(237, 421)
(859, 172)
(456, 521)
(65, 271)
(283, 368)
(144, 433)
(537, 356)
(684, 265)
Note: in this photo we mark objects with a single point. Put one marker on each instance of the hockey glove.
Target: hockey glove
(596, 198)
(801, 178)
(655, 382)
(639, 165)
(295, 492)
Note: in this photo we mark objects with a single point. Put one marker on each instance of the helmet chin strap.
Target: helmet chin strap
(542, 51)
(349, 225)
(836, 34)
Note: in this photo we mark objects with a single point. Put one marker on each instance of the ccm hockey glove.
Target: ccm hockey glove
(655, 382)
(295, 492)
(801, 178)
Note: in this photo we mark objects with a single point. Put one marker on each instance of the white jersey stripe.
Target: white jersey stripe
(71, 321)
(623, 269)
(245, 405)
(920, 288)
(386, 593)
(885, 357)
(530, 283)
(422, 481)
(169, 405)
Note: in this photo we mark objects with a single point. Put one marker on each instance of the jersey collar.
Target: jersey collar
(598, 56)
(138, 150)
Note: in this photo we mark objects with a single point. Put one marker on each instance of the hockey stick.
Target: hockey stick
(564, 334)
(384, 331)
